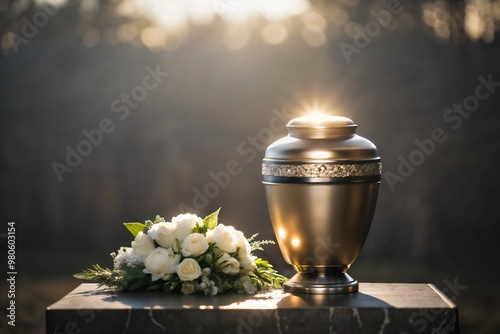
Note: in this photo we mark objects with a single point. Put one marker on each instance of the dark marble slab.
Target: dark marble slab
(376, 308)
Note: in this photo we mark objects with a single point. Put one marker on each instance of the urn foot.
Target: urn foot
(319, 283)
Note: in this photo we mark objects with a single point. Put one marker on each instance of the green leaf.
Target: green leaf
(134, 228)
(84, 276)
(156, 287)
(101, 276)
(210, 221)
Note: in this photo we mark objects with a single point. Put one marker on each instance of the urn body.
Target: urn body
(321, 184)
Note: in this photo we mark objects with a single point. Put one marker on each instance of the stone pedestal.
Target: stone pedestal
(376, 308)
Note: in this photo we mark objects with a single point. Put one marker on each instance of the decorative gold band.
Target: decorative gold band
(327, 170)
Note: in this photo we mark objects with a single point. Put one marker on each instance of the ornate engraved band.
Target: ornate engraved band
(327, 170)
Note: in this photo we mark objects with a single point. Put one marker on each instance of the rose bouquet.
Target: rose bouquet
(190, 255)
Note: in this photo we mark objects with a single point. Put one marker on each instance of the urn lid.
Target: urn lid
(321, 147)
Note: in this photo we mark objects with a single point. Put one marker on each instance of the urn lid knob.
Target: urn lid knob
(318, 125)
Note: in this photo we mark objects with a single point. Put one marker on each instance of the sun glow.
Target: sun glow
(317, 116)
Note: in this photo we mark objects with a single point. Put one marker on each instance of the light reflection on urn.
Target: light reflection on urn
(321, 184)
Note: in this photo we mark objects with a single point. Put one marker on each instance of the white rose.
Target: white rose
(228, 265)
(161, 262)
(195, 244)
(224, 237)
(184, 225)
(163, 233)
(243, 245)
(188, 270)
(206, 272)
(247, 264)
(143, 244)
(188, 288)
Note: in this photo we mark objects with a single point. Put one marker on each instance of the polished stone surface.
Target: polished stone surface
(376, 308)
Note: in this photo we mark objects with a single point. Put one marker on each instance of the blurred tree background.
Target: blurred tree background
(237, 71)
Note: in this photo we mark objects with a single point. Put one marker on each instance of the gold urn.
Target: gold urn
(321, 182)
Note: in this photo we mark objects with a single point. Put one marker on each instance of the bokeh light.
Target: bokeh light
(314, 36)
(236, 37)
(163, 25)
(274, 33)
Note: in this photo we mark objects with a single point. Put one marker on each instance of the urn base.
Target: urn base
(321, 283)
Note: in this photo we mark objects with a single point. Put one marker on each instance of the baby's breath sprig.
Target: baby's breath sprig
(257, 244)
